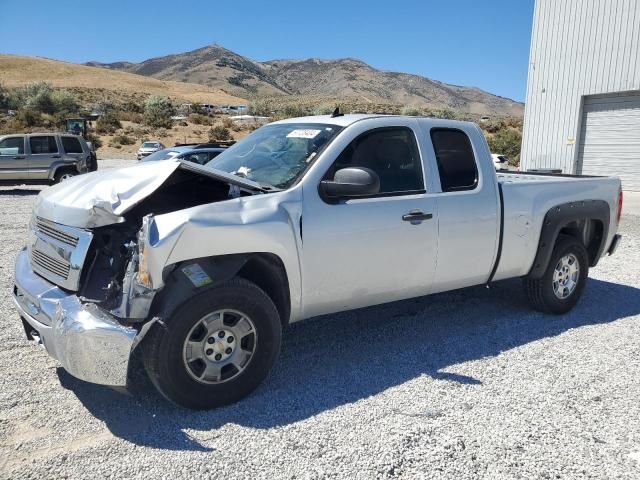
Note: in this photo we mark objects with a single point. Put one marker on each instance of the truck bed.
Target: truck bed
(526, 197)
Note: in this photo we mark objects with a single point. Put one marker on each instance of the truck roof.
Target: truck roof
(350, 118)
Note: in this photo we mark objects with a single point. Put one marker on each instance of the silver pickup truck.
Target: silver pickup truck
(201, 267)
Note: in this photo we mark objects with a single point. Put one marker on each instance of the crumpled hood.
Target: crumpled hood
(101, 198)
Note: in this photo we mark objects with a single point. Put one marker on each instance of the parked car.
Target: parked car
(199, 268)
(196, 154)
(147, 148)
(44, 157)
(500, 161)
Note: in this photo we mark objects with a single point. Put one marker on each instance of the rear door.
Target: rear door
(72, 149)
(13, 161)
(468, 208)
(44, 151)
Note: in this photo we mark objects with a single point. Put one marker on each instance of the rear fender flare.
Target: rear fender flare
(560, 216)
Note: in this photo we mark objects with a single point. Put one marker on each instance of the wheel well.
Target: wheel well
(267, 271)
(590, 232)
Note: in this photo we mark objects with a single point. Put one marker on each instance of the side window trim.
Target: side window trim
(416, 146)
(473, 153)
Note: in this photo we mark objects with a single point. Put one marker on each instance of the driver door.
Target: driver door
(365, 251)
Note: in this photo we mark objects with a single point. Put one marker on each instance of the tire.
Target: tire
(179, 376)
(63, 175)
(557, 299)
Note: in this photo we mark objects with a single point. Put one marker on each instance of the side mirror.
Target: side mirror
(351, 182)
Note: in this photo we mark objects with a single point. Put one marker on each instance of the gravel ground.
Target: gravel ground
(467, 384)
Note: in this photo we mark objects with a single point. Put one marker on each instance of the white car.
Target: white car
(500, 161)
(147, 148)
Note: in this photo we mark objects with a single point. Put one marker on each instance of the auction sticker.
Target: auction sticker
(303, 133)
(197, 275)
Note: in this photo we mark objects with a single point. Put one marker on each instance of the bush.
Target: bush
(108, 123)
(95, 140)
(122, 139)
(4, 97)
(507, 141)
(29, 117)
(128, 116)
(158, 111)
(227, 122)
(199, 119)
(445, 113)
(219, 133)
(411, 111)
(260, 108)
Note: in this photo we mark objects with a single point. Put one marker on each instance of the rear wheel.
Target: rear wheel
(561, 285)
(216, 348)
(64, 175)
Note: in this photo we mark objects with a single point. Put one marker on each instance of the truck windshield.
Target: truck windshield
(278, 154)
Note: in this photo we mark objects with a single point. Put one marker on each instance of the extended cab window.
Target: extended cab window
(454, 156)
(71, 145)
(390, 152)
(45, 144)
(12, 146)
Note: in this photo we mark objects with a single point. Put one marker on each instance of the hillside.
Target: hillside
(101, 83)
(218, 67)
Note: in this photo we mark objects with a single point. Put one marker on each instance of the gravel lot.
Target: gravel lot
(468, 384)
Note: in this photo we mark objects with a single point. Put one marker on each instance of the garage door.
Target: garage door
(610, 138)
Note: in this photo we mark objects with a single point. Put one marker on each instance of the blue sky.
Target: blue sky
(483, 43)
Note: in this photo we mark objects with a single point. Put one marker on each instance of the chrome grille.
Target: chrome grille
(49, 229)
(49, 263)
(57, 252)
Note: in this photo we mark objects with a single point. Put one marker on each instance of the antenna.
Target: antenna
(336, 113)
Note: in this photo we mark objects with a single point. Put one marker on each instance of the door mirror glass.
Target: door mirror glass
(351, 182)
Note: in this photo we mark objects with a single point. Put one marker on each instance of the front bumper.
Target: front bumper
(89, 343)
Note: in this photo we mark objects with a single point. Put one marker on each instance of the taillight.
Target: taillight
(619, 211)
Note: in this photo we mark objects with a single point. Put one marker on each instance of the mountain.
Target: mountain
(99, 84)
(223, 69)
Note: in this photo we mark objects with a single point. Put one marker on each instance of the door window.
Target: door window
(454, 156)
(12, 146)
(390, 152)
(71, 145)
(44, 144)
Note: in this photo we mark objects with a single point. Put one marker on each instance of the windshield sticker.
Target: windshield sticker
(303, 133)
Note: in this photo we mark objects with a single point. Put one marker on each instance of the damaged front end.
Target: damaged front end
(92, 325)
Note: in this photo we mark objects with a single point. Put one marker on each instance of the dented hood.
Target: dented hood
(101, 198)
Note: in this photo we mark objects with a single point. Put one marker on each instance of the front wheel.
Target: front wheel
(216, 348)
(561, 285)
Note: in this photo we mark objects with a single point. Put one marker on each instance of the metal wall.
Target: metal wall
(578, 48)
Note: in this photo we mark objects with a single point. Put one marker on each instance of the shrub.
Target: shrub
(227, 122)
(260, 108)
(199, 119)
(122, 139)
(128, 116)
(95, 140)
(64, 102)
(411, 111)
(219, 133)
(4, 97)
(29, 117)
(108, 123)
(158, 111)
(445, 113)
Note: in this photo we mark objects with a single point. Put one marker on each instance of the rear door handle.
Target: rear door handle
(416, 216)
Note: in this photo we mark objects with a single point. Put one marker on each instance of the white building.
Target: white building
(582, 111)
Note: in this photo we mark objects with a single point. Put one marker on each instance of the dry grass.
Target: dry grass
(18, 71)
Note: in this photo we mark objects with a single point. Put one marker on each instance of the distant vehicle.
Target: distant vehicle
(500, 161)
(43, 157)
(147, 148)
(199, 154)
(79, 126)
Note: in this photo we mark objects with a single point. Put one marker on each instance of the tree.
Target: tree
(4, 97)
(158, 112)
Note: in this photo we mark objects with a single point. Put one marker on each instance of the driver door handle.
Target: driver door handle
(416, 216)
